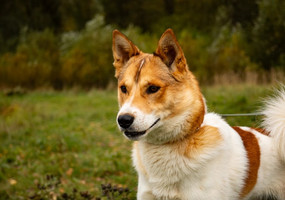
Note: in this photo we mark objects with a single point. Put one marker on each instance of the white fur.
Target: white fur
(212, 175)
(171, 168)
(142, 122)
(216, 174)
(161, 134)
(274, 121)
(271, 176)
(157, 134)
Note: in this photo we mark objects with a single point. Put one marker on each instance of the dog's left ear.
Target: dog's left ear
(123, 50)
(171, 53)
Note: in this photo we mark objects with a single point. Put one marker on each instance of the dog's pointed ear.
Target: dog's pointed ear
(123, 50)
(170, 52)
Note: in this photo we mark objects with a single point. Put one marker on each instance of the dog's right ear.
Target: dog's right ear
(123, 50)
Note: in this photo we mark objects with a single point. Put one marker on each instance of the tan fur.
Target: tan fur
(253, 154)
(197, 143)
(174, 84)
(205, 138)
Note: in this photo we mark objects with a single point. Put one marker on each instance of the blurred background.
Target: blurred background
(58, 105)
(62, 44)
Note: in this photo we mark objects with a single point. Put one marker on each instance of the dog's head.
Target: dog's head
(159, 97)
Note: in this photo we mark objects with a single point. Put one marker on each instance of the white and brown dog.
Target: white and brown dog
(181, 151)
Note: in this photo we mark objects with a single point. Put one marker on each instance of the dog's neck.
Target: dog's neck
(177, 132)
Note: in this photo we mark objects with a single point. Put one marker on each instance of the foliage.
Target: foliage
(227, 54)
(268, 41)
(56, 15)
(75, 59)
(237, 13)
(156, 16)
(194, 46)
(35, 62)
(72, 46)
(87, 57)
(83, 59)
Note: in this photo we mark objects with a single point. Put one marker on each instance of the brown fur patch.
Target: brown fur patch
(253, 154)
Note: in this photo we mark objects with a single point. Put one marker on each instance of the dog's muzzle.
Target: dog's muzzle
(125, 121)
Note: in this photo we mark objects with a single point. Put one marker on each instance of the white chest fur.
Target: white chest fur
(170, 175)
(182, 172)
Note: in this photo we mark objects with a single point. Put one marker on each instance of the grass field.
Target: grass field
(73, 136)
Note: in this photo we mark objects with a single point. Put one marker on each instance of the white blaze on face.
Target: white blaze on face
(142, 121)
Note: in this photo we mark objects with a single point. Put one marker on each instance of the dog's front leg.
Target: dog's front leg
(144, 190)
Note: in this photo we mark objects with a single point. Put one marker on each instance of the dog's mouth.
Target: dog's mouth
(133, 135)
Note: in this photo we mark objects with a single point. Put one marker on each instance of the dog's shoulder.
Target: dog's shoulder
(205, 139)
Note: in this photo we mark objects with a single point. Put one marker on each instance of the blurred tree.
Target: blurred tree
(34, 14)
(42, 14)
(196, 14)
(268, 41)
(74, 14)
(226, 35)
(151, 15)
(142, 13)
(238, 12)
(38, 15)
(34, 64)
(169, 6)
(11, 20)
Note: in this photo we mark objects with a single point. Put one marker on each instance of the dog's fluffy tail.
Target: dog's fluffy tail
(274, 120)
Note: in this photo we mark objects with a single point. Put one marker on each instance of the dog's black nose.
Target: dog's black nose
(125, 121)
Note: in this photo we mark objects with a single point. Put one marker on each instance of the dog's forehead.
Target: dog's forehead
(131, 68)
(146, 66)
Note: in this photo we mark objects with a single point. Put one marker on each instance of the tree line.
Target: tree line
(62, 43)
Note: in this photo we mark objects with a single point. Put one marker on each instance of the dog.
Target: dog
(180, 151)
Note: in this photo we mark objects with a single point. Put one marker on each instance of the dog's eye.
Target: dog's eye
(152, 89)
(124, 89)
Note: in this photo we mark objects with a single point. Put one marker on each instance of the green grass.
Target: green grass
(73, 135)
(237, 99)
